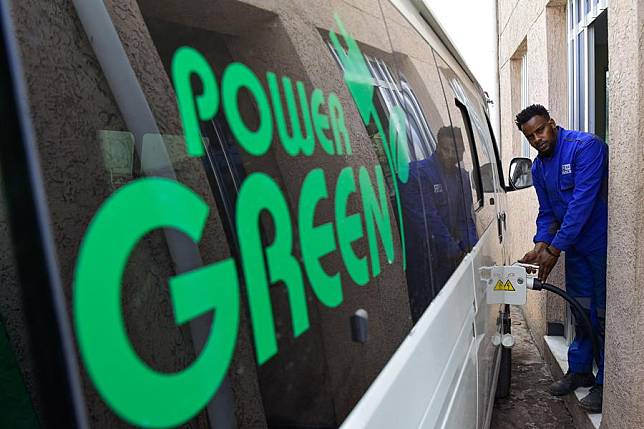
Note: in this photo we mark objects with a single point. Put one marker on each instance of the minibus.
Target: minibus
(245, 214)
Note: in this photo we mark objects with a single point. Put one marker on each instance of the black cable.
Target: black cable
(580, 310)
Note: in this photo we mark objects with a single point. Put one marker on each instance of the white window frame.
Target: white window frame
(582, 27)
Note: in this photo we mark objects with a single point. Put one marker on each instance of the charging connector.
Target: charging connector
(508, 284)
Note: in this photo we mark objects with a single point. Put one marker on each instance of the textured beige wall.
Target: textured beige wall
(624, 393)
(540, 28)
(505, 8)
(557, 102)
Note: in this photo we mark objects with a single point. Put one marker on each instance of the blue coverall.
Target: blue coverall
(572, 185)
(439, 229)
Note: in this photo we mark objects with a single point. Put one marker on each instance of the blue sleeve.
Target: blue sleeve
(546, 222)
(591, 158)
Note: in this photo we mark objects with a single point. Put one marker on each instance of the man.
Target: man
(570, 176)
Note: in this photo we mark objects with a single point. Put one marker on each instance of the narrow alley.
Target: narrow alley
(529, 404)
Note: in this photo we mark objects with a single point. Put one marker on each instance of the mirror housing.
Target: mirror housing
(520, 173)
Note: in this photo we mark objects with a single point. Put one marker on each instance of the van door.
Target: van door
(489, 250)
(447, 219)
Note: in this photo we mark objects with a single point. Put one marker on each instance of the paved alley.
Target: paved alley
(529, 404)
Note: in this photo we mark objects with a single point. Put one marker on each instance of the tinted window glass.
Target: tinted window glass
(461, 102)
(438, 225)
(18, 399)
(226, 217)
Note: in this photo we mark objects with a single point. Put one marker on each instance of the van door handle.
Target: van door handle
(499, 224)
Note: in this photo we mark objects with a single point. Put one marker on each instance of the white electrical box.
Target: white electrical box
(506, 284)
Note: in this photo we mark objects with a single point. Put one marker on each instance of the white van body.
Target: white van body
(444, 375)
(94, 101)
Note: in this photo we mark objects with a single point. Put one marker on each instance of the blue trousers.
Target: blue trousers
(586, 282)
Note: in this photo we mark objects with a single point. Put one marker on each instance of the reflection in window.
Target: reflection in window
(399, 93)
(437, 198)
(421, 139)
(477, 121)
(476, 164)
(433, 207)
(466, 112)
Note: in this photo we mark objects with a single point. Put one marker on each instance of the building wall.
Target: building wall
(624, 380)
(537, 28)
(624, 392)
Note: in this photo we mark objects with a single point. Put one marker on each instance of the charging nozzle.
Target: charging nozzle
(534, 283)
(508, 284)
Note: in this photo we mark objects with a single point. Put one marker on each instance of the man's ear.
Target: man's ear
(552, 122)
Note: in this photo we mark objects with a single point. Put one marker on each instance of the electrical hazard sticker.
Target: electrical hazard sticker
(505, 284)
(506, 287)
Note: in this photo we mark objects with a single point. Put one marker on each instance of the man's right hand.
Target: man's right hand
(531, 256)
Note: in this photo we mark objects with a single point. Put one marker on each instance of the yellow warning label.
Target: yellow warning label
(506, 287)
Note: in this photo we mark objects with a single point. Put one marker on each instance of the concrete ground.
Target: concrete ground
(529, 404)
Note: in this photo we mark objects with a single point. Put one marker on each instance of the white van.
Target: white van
(245, 214)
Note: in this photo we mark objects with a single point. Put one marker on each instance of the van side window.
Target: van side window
(390, 96)
(437, 221)
(446, 215)
(475, 156)
(497, 152)
(476, 181)
(434, 200)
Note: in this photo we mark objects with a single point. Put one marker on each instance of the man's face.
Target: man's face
(448, 156)
(541, 134)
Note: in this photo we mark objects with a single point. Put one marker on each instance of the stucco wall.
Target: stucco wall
(624, 391)
(539, 28)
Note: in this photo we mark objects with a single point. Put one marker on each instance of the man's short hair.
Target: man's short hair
(529, 112)
(449, 132)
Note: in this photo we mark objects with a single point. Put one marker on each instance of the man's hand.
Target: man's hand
(532, 257)
(536, 257)
(543, 255)
(547, 259)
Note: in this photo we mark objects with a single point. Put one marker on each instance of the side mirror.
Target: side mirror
(520, 173)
